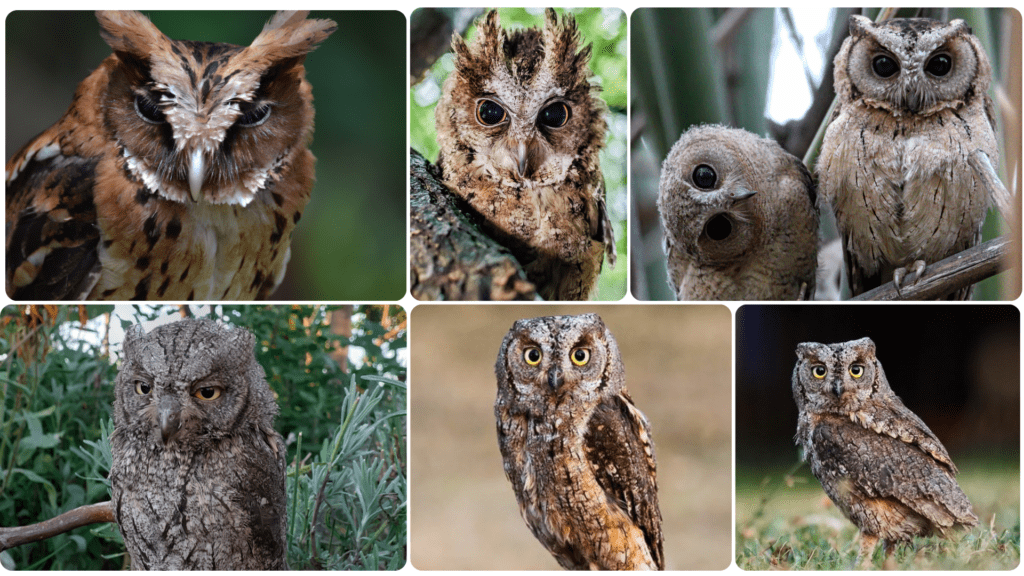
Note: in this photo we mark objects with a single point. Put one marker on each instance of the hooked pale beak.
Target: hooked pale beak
(524, 160)
(741, 193)
(196, 173)
(169, 416)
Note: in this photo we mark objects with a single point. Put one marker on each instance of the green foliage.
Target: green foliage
(56, 376)
(605, 28)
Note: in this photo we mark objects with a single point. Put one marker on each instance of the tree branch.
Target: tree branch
(81, 516)
(450, 258)
(947, 276)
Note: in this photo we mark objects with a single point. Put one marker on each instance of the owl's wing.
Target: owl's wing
(52, 235)
(601, 224)
(852, 458)
(897, 421)
(618, 446)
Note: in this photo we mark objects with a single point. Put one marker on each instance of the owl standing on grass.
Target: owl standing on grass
(520, 129)
(178, 172)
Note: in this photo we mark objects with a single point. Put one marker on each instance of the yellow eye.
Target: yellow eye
(142, 388)
(819, 372)
(580, 356)
(532, 356)
(856, 370)
(208, 393)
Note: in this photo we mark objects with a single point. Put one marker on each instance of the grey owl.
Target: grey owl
(197, 479)
(740, 218)
(577, 451)
(520, 128)
(913, 105)
(880, 464)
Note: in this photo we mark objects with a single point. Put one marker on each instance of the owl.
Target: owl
(197, 480)
(178, 172)
(880, 464)
(520, 127)
(740, 218)
(577, 451)
(913, 105)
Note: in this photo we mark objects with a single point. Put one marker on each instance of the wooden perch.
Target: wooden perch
(949, 275)
(81, 516)
(450, 258)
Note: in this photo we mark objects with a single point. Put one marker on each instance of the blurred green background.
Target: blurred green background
(694, 66)
(605, 28)
(351, 242)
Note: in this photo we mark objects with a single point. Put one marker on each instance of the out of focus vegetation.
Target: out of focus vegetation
(338, 373)
(605, 28)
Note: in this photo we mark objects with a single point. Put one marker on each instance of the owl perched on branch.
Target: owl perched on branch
(913, 106)
(881, 465)
(178, 172)
(576, 449)
(520, 128)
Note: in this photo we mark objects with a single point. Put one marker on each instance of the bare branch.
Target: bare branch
(81, 516)
(947, 276)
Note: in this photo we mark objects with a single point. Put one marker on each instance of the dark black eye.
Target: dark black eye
(490, 113)
(704, 177)
(555, 116)
(142, 388)
(719, 227)
(148, 110)
(939, 65)
(253, 114)
(885, 66)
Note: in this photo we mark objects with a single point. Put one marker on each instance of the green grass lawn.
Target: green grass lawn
(784, 521)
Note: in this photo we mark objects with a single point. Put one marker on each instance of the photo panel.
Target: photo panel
(518, 163)
(902, 422)
(465, 513)
(228, 437)
(163, 187)
(825, 153)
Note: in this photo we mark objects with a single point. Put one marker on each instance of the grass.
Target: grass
(786, 522)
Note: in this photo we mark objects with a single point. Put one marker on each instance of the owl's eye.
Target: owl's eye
(253, 114)
(580, 356)
(719, 227)
(884, 66)
(490, 113)
(142, 388)
(148, 110)
(704, 177)
(556, 115)
(208, 393)
(819, 372)
(939, 65)
(532, 356)
(856, 370)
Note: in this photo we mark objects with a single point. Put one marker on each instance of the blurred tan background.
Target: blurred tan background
(678, 369)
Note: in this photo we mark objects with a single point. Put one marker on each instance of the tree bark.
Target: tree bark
(81, 516)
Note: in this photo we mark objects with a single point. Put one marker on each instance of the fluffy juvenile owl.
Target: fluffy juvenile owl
(197, 480)
(178, 172)
(520, 128)
(880, 464)
(740, 218)
(577, 451)
(913, 105)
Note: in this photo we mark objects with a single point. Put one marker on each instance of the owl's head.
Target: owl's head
(200, 121)
(911, 65)
(190, 384)
(837, 378)
(519, 106)
(555, 364)
(724, 191)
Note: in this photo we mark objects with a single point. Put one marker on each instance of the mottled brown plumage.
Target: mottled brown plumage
(913, 105)
(520, 128)
(197, 479)
(740, 218)
(577, 451)
(881, 465)
(178, 171)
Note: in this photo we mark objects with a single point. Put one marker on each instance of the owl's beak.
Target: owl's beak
(741, 193)
(169, 415)
(523, 159)
(196, 173)
(555, 378)
(837, 386)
